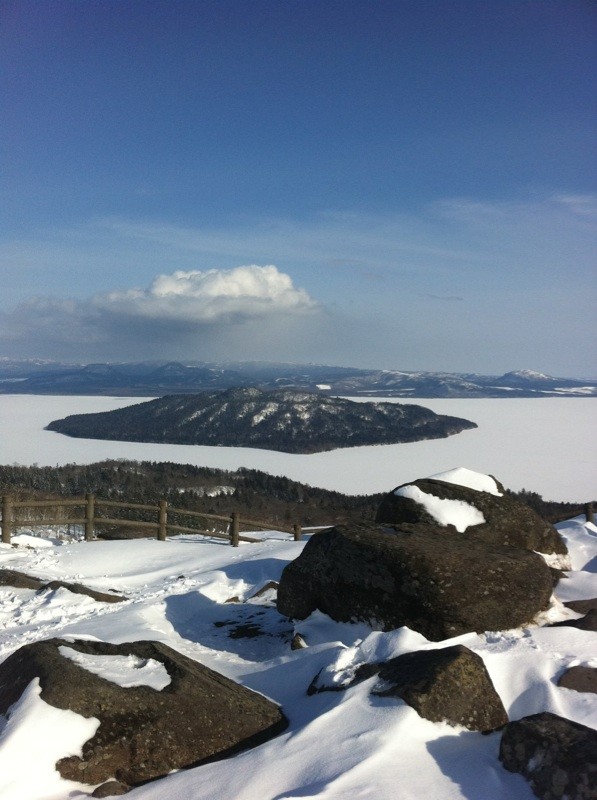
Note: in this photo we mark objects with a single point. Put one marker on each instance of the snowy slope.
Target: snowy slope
(339, 745)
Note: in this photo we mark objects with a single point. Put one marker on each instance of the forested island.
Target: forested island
(284, 420)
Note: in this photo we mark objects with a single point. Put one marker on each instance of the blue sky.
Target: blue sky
(405, 185)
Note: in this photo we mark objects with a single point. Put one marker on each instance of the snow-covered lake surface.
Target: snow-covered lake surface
(544, 445)
(339, 745)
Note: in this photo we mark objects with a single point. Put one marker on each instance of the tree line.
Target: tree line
(215, 491)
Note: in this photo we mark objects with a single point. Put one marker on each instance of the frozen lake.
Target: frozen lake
(544, 445)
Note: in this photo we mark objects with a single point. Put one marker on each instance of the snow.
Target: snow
(447, 512)
(29, 540)
(339, 744)
(530, 374)
(536, 444)
(34, 736)
(125, 671)
(461, 476)
(267, 411)
(578, 390)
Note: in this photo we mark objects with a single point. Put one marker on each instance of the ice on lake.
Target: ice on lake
(544, 445)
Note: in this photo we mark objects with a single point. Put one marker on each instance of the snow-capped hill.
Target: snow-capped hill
(527, 375)
(282, 419)
(530, 381)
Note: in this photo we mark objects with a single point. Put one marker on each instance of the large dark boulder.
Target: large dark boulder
(450, 684)
(144, 732)
(557, 756)
(416, 575)
(507, 520)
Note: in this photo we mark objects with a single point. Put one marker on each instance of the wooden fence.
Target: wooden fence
(161, 527)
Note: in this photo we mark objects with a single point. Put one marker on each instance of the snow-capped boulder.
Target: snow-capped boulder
(557, 756)
(158, 710)
(473, 503)
(415, 575)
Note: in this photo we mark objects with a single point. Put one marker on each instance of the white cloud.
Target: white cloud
(584, 205)
(210, 296)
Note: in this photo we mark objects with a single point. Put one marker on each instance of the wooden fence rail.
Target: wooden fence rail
(161, 527)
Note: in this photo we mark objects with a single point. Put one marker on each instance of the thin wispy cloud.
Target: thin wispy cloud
(455, 238)
(455, 230)
(334, 239)
(584, 205)
(448, 298)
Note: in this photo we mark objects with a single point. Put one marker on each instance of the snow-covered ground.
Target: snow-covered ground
(545, 445)
(339, 745)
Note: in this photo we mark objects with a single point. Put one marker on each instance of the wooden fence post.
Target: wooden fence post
(590, 516)
(298, 532)
(89, 516)
(235, 529)
(162, 520)
(6, 519)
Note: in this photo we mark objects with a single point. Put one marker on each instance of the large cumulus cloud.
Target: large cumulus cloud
(176, 314)
(210, 296)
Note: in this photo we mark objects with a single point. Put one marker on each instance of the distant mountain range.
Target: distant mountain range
(147, 379)
(283, 419)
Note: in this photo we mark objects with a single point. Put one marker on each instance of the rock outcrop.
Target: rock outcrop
(557, 756)
(416, 575)
(582, 606)
(110, 789)
(500, 519)
(21, 580)
(144, 732)
(586, 623)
